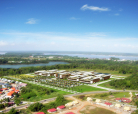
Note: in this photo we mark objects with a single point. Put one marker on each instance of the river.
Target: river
(97, 56)
(29, 65)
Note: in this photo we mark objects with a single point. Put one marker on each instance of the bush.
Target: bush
(136, 103)
(13, 111)
(2, 106)
(28, 95)
(82, 97)
(36, 107)
(17, 101)
(7, 104)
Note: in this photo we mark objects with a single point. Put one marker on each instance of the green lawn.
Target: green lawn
(108, 86)
(85, 88)
(40, 96)
(82, 88)
(122, 94)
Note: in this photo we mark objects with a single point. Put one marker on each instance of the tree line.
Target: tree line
(123, 67)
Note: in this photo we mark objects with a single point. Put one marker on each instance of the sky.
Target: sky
(69, 25)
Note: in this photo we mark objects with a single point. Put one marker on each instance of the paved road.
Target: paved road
(105, 88)
(96, 85)
(51, 99)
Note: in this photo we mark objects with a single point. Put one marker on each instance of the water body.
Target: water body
(29, 65)
(97, 56)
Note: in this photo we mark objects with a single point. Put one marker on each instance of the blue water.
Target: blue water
(97, 56)
(29, 65)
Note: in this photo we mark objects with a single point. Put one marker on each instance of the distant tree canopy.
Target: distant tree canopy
(123, 67)
(130, 82)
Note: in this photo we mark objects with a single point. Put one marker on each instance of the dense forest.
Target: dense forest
(130, 82)
(123, 67)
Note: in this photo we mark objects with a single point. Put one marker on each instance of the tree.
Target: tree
(17, 101)
(12, 111)
(36, 107)
(136, 103)
(60, 100)
(2, 106)
(7, 105)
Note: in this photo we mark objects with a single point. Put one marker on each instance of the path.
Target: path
(96, 85)
(105, 88)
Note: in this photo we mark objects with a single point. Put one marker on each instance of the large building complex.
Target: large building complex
(80, 76)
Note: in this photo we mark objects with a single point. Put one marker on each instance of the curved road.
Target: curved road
(51, 99)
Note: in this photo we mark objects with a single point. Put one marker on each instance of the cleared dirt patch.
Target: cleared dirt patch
(95, 110)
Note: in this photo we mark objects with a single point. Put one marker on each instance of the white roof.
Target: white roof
(99, 75)
(87, 73)
(89, 77)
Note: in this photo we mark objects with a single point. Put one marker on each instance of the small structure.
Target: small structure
(5, 88)
(75, 102)
(61, 107)
(118, 100)
(40, 113)
(126, 100)
(136, 94)
(23, 84)
(127, 108)
(89, 99)
(51, 110)
(118, 105)
(70, 113)
(130, 96)
(69, 104)
(13, 88)
(107, 103)
(98, 101)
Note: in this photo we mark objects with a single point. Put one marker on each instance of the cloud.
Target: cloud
(74, 18)
(58, 41)
(31, 21)
(2, 43)
(94, 8)
(117, 14)
(96, 34)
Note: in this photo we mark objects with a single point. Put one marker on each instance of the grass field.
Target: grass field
(85, 88)
(44, 96)
(108, 86)
(99, 70)
(95, 110)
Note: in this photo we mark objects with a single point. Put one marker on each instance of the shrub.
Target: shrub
(2, 106)
(17, 101)
(7, 104)
(36, 107)
(13, 111)
(82, 97)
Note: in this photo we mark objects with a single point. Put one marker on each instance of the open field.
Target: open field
(39, 95)
(42, 97)
(85, 88)
(107, 85)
